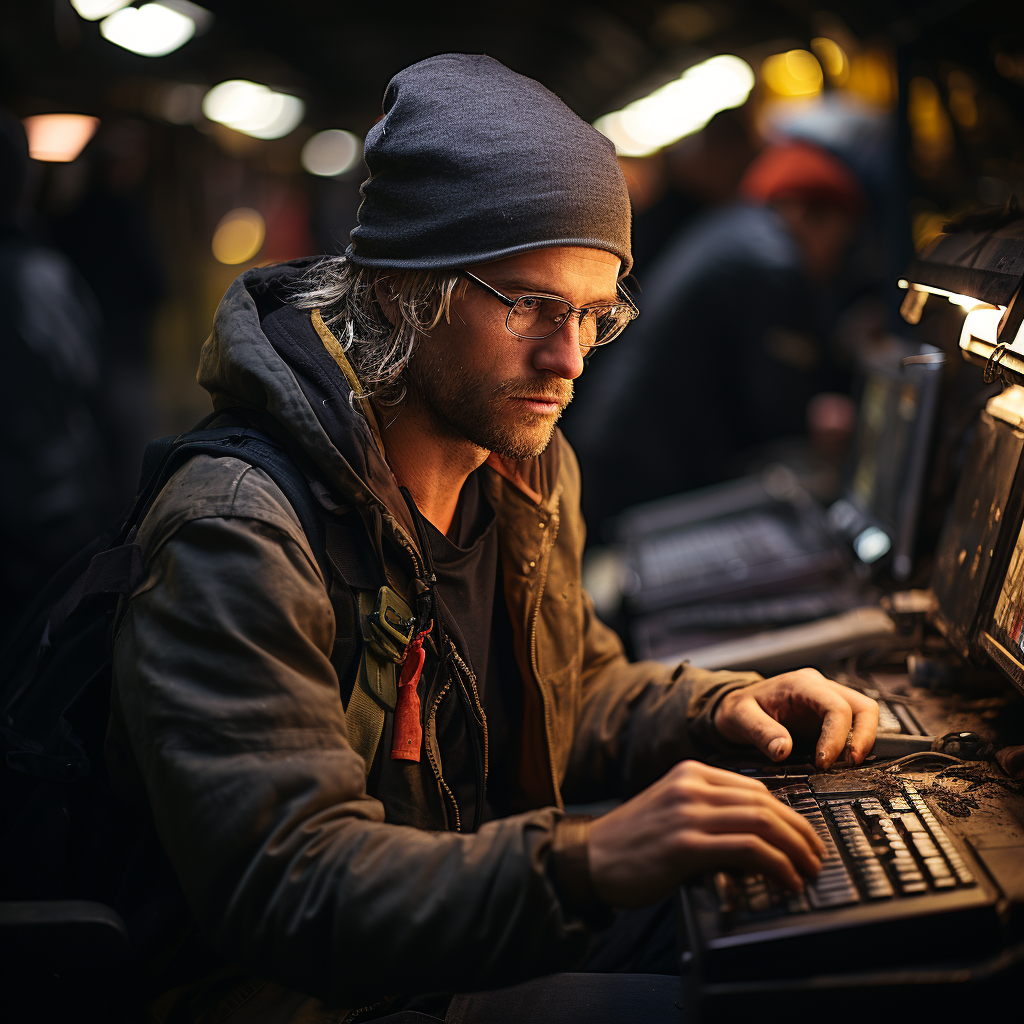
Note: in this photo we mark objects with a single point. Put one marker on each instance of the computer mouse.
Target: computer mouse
(968, 745)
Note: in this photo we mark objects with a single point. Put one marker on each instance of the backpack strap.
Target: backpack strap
(166, 455)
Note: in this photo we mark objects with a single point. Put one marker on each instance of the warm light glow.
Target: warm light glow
(152, 30)
(796, 73)
(253, 109)
(982, 324)
(93, 10)
(58, 138)
(680, 108)
(965, 301)
(931, 133)
(239, 236)
(833, 59)
(330, 152)
(873, 77)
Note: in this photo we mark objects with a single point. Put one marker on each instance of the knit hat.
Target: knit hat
(472, 162)
(803, 171)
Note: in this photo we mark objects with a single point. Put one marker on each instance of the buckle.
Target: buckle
(393, 624)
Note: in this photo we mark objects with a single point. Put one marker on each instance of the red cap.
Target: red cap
(799, 170)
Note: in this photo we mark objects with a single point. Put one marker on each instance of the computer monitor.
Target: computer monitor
(979, 527)
(1002, 636)
(881, 501)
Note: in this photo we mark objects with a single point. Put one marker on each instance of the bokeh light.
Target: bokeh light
(93, 10)
(239, 236)
(331, 152)
(58, 138)
(833, 59)
(152, 30)
(253, 109)
(794, 73)
(680, 108)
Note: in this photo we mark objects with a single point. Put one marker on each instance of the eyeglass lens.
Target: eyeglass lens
(536, 317)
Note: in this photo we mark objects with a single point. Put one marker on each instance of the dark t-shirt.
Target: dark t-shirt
(469, 586)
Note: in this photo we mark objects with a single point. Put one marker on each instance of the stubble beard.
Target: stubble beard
(466, 407)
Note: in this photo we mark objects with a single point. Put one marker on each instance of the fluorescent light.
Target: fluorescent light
(680, 108)
(93, 10)
(58, 138)
(152, 30)
(253, 109)
(330, 152)
(239, 236)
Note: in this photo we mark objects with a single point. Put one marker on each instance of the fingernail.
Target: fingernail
(777, 748)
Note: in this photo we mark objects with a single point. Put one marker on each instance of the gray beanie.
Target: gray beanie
(472, 162)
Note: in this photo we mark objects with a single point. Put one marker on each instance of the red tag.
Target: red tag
(408, 733)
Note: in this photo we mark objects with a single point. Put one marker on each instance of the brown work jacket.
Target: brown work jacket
(229, 718)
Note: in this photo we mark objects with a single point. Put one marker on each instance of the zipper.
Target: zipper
(475, 694)
(477, 726)
(534, 664)
(432, 725)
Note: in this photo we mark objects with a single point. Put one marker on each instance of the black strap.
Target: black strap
(166, 455)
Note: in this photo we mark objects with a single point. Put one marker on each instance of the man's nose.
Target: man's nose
(560, 352)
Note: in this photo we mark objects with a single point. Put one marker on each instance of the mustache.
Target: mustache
(558, 390)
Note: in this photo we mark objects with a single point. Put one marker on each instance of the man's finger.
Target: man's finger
(749, 853)
(725, 797)
(719, 776)
(768, 735)
(773, 828)
(865, 728)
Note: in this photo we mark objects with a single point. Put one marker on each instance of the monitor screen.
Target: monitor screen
(888, 416)
(879, 509)
(1003, 639)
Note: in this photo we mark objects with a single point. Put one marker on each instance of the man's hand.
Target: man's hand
(806, 704)
(692, 820)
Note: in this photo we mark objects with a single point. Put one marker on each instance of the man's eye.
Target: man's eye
(530, 302)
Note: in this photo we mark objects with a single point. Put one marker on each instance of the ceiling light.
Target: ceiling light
(253, 109)
(152, 30)
(682, 107)
(239, 236)
(330, 152)
(58, 138)
(93, 10)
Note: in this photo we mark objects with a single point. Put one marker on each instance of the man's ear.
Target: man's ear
(383, 289)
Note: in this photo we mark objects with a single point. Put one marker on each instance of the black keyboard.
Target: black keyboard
(877, 848)
(893, 879)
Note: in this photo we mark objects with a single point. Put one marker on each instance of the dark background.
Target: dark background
(137, 210)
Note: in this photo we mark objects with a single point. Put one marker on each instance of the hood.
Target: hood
(265, 356)
(269, 358)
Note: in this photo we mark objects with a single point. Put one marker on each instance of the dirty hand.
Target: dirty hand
(805, 703)
(696, 819)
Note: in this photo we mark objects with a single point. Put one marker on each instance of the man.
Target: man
(350, 838)
(733, 307)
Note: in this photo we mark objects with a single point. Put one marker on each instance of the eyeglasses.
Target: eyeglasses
(539, 316)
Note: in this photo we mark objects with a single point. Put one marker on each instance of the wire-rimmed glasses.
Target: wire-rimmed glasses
(534, 317)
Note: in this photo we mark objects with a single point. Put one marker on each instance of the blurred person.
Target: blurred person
(730, 349)
(56, 491)
(341, 849)
(96, 218)
(700, 171)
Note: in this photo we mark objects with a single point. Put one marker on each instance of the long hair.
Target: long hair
(378, 349)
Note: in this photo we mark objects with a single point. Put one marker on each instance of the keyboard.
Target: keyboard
(876, 849)
(727, 546)
(893, 879)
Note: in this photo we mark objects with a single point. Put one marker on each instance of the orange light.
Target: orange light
(58, 138)
(239, 236)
